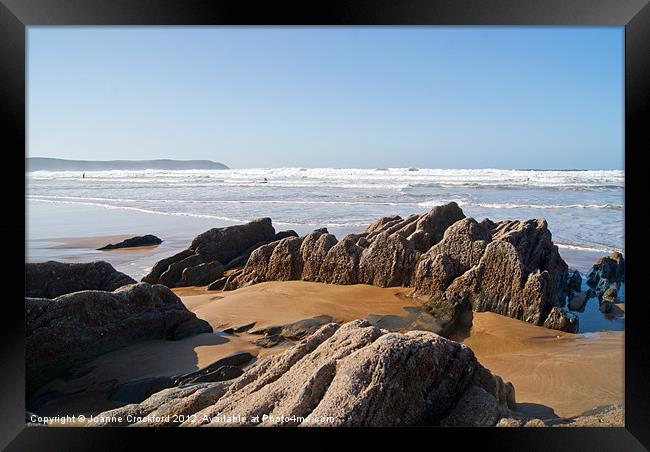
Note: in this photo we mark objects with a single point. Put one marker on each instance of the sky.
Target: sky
(367, 97)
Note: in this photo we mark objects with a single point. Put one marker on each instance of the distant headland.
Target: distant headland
(52, 164)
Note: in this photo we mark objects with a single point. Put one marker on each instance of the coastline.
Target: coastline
(555, 374)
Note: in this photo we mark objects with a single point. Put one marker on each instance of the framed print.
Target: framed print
(334, 216)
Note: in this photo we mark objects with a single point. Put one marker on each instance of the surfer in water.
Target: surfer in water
(83, 176)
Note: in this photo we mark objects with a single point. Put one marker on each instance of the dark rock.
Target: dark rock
(202, 274)
(218, 284)
(224, 244)
(303, 328)
(243, 328)
(144, 240)
(578, 301)
(239, 329)
(269, 341)
(606, 271)
(52, 279)
(235, 360)
(72, 329)
(171, 277)
(605, 306)
(276, 334)
(559, 319)
(223, 373)
(476, 408)
(284, 234)
(191, 327)
(574, 283)
(218, 244)
(138, 390)
(162, 265)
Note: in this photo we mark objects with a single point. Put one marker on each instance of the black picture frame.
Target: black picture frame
(16, 15)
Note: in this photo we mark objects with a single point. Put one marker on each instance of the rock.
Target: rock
(224, 244)
(431, 226)
(461, 248)
(284, 234)
(202, 274)
(578, 301)
(292, 331)
(388, 261)
(313, 250)
(341, 264)
(606, 271)
(235, 360)
(218, 244)
(239, 329)
(605, 306)
(243, 328)
(191, 327)
(72, 329)
(144, 240)
(604, 416)
(611, 294)
(303, 328)
(520, 275)
(223, 373)
(477, 408)
(575, 283)
(558, 319)
(138, 390)
(269, 341)
(171, 277)
(352, 375)
(52, 279)
(285, 263)
(454, 263)
(218, 284)
(165, 408)
(511, 422)
(535, 423)
(162, 265)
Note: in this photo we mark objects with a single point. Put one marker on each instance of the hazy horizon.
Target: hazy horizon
(548, 98)
(345, 167)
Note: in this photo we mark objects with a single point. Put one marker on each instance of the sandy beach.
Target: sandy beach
(554, 373)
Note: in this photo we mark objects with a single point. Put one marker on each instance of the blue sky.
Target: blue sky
(434, 97)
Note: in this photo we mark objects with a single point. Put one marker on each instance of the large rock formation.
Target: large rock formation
(384, 254)
(204, 260)
(453, 262)
(52, 279)
(352, 375)
(72, 329)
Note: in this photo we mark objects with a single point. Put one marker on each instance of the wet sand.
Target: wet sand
(554, 373)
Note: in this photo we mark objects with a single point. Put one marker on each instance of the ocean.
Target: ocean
(584, 209)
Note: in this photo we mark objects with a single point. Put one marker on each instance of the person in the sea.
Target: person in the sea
(83, 176)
